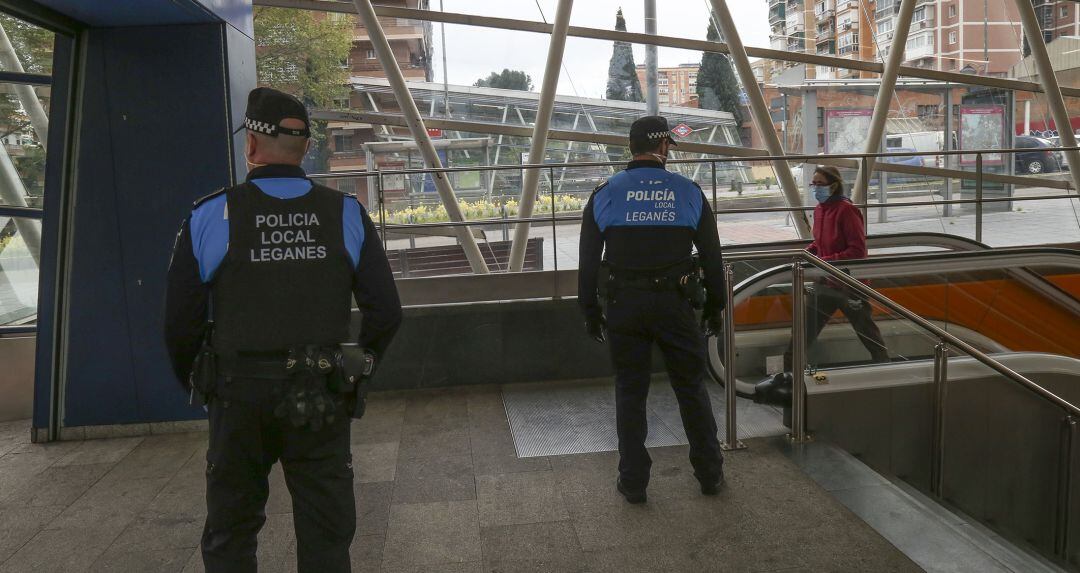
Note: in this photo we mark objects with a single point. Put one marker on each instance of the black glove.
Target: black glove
(307, 402)
(597, 328)
(712, 323)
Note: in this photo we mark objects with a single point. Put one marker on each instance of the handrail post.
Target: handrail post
(937, 460)
(1061, 525)
(731, 428)
(713, 163)
(978, 197)
(864, 182)
(382, 207)
(798, 354)
(554, 232)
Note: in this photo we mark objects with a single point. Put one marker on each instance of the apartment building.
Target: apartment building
(975, 36)
(411, 42)
(1058, 18)
(675, 86)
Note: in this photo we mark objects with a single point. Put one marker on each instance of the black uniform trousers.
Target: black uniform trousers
(822, 303)
(636, 319)
(246, 439)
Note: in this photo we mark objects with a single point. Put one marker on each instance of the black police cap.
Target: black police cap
(651, 128)
(267, 107)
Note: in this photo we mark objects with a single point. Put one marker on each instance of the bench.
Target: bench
(451, 260)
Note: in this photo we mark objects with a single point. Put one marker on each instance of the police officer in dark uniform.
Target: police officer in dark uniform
(644, 222)
(275, 263)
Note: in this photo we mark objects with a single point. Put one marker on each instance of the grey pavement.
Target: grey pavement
(440, 488)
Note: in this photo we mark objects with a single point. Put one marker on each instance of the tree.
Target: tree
(304, 53)
(507, 80)
(623, 83)
(717, 87)
(34, 48)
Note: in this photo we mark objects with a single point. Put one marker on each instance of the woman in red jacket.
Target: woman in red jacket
(839, 234)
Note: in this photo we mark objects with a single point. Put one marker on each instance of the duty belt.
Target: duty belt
(267, 365)
(656, 284)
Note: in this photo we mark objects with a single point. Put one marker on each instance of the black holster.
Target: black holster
(353, 366)
(692, 285)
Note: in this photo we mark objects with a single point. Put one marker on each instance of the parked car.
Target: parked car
(1037, 159)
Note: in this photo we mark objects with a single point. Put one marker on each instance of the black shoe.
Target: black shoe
(712, 487)
(630, 495)
(775, 390)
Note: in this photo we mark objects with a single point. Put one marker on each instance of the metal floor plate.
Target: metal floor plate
(576, 417)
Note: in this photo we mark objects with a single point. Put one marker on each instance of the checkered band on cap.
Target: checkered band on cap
(658, 134)
(260, 126)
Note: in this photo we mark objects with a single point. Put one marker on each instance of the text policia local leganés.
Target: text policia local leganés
(287, 237)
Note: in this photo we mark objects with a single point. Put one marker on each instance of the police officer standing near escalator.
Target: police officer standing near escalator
(637, 236)
(259, 297)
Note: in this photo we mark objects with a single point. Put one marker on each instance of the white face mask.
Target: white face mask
(661, 158)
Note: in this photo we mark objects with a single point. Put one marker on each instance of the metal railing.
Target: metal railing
(944, 342)
(852, 160)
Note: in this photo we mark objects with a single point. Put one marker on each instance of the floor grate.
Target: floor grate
(576, 417)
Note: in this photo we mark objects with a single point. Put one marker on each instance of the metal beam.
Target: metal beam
(416, 125)
(12, 192)
(761, 114)
(884, 97)
(538, 149)
(1054, 99)
(668, 42)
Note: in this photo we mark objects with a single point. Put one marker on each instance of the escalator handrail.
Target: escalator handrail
(885, 241)
(908, 264)
(827, 269)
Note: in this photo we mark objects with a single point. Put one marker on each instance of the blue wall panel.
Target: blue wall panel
(155, 137)
(110, 13)
(237, 13)
(242, 78)
(99, 352)
(48, 286)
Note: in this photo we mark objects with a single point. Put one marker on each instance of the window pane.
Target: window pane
(19, 141)
(18, 269)
(33, 46)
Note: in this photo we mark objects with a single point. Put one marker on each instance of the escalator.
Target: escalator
(932, 416)
(1005, 300)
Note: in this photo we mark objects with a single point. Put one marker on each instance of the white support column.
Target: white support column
(652, 96)
(1050, 86)
(39, 120)
(884, 97)
(419, 131)
(540, 132)
(761, 114)
(13, 193)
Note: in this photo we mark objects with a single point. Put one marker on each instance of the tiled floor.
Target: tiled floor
(440, 488)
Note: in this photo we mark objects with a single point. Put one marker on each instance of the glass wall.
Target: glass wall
(24, 117)
(488, 88)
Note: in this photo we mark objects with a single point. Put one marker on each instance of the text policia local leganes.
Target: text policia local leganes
(287, 237)
(662, 209)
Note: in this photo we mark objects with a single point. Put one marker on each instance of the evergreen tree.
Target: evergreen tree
(507, 80)
(717, 87)
(623, 83)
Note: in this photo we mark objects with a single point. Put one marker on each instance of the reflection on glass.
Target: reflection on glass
(33, 47)
(18, 271)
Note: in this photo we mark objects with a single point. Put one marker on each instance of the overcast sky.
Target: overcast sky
(474, 52)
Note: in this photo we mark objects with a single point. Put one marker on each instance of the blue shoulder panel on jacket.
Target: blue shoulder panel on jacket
(210, 234)
(353, 222)
(283, 187)
(648, 197)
